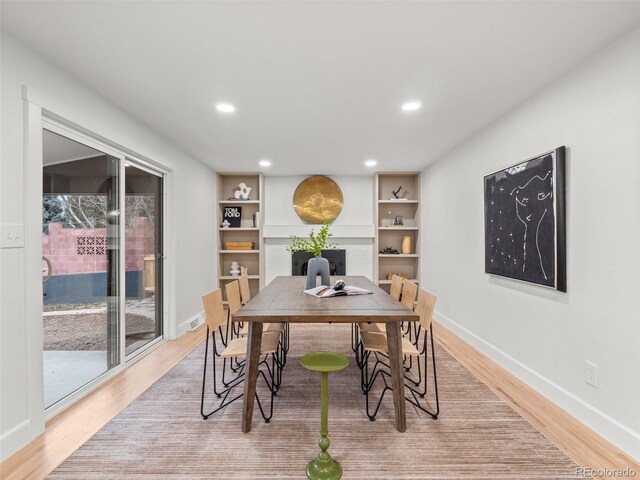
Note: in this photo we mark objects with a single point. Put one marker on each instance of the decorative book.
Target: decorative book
(239, 245)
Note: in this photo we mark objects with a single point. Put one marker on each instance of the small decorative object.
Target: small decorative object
(406, 245)
(235, 269)
(316, 265)
(389, 251)
(256, 220)
(398, 220)
(399, 193)
(232, 215)
(318, 199)
(225, 223)
(242, 193)
(390, 221)
(244, 271)
(524, 221)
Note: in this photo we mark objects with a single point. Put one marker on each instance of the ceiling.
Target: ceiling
(57, 149)
(318, 85)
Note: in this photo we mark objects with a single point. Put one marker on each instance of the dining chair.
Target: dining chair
(396, 287)
(245, 291)
(415, 381)
(356, 342)
(401, 289)
(217, 321)
(237, 299)
(395, 292)
(408, 299)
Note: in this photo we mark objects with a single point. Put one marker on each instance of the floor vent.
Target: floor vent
(193, 324)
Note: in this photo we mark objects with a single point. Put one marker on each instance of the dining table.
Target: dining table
(283, 300)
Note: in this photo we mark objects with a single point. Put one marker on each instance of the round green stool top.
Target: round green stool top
(324, 361)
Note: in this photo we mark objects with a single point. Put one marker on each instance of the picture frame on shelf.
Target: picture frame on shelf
(233, 215)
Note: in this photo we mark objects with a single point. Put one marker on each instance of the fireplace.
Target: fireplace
(337, 262)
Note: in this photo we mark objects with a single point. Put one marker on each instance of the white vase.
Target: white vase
(235, 269)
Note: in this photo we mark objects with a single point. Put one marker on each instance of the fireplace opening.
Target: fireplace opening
(337, 262)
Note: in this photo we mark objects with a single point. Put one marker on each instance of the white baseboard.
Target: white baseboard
(185, 326)
(15, 438)
(615, 432)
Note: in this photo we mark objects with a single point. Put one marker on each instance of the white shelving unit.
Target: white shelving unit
(247, 232)
(390, 235)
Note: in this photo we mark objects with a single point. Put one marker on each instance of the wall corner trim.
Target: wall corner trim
(14, 439)
(31, 95)
(604, 425)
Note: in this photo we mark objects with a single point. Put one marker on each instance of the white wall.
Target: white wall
(543, 336)
(353, 229)
(191, 225)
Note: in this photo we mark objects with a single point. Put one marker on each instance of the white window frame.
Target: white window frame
(37, 118)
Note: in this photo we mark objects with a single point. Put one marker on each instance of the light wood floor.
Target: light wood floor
(66, 432)
(576, 440)
(69, 430)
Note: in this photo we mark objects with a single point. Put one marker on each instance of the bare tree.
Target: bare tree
(90, 211)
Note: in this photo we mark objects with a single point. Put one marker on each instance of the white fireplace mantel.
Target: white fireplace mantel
(338, 231)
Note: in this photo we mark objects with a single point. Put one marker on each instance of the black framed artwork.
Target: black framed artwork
(524, 221)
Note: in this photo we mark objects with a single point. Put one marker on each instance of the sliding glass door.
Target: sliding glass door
(143, 257)
(102, 261)
(81, 264)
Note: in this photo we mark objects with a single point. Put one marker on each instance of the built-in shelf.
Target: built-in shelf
(240, 251)
(398, 228)
(238, 202)
(236, 277)
(405, 237)
(239, 229)
(339, 231)
(247, 231)
(388, 282)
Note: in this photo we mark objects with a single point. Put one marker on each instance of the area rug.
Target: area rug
(162, 436)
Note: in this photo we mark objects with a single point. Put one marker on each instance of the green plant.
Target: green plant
(315, 244)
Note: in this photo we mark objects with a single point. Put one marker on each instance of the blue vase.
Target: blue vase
(317, 266)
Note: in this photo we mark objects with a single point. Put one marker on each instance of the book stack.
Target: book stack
(239, 245)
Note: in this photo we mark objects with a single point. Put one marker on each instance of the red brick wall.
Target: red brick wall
(83, 250)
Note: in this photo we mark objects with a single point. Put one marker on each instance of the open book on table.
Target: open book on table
(339, 289)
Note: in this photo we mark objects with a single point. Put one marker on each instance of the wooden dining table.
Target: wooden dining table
(283, 300)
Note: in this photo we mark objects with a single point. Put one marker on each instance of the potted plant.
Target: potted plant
(315, 244)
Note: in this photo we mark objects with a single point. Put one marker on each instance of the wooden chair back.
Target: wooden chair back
(233, 296)
(214, 313)
(396, 287)
(409, 292)
(245, 292)
(425, 308)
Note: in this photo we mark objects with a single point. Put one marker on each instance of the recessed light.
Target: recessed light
(411, 106)
(265, 163)
(225, 107)
(371, 162)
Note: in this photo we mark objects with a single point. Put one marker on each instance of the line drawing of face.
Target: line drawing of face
(533, 200)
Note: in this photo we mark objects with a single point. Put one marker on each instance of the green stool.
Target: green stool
(323, 467)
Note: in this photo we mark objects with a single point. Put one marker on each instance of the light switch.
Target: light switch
(11, 235)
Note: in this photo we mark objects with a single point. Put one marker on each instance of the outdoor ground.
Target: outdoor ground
(84, 326)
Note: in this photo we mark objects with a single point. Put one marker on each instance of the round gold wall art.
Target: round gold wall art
(317, 199)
